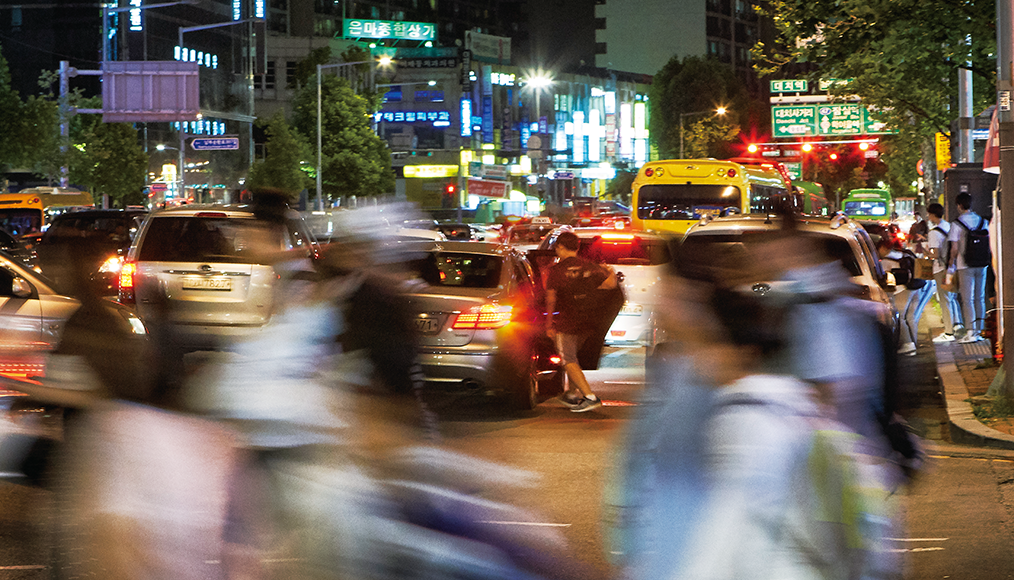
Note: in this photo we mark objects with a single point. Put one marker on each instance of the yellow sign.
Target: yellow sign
(431, 170)
(943, 152)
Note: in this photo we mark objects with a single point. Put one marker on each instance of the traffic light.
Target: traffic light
(448, 197)
(449, 189)
(833, 156)
(752, 148)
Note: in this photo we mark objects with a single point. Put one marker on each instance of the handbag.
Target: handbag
(924, 268)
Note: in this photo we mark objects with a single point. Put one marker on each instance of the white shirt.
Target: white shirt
(959, 234)
(935, 241)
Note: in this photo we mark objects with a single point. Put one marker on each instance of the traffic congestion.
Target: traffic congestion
(233, 346)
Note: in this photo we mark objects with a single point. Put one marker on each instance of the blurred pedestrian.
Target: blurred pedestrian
(902, 267)
(571, 308)
(938, 248)
(917, 232)
(970, 256)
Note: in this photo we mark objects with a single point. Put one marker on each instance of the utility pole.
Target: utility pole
(1005, 260)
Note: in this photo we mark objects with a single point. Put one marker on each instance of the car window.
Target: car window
(712, 252)
(626, 250)
(6, 282)
(458, 269)
(213, 239)
(529, 235)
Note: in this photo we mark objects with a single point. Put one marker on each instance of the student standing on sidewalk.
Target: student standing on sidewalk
(570, 289)
(971, 277)
(938, 248)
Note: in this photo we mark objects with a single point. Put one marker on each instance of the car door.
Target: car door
(21, 341)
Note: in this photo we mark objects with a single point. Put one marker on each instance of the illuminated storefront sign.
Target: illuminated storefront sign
(259, 8)
(237, 9)
(466, 117)
(202, 127)
(357, 28)
(424, 171)
(190, 55)
(502, 79)
(435, 117)
(135, 16)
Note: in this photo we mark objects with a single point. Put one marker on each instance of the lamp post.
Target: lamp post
(321, 67)
(719, 111)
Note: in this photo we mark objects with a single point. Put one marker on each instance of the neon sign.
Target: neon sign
(390, 29)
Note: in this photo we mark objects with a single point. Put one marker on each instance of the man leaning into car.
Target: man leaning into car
(571, 290)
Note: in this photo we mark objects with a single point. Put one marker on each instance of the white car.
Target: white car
(641, 260)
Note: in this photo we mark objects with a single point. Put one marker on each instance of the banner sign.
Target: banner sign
(500, 189)
(488, 48)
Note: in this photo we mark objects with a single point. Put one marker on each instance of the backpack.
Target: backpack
(977, 252)
(944, 252)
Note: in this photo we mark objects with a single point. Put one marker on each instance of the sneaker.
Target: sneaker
(587, 405)
(907, 348)
(571, 398)
(959, 329)
(969, 337)
(944, 337)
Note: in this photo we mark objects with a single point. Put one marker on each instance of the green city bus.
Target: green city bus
(868, 204)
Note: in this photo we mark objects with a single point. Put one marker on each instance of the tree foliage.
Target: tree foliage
(686, 88)
(28, 126)
(110, 161)
(355, 160)
(281, 166)
(902, 58)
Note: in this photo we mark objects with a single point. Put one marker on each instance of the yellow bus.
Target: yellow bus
(30, 210)
(669, 196)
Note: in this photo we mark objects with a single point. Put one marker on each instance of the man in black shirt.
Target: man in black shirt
(571, 294)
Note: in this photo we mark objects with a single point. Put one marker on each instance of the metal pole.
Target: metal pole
(320, 200)
(966, 152)
(64, 122)
(1005, 263)
(183, 181)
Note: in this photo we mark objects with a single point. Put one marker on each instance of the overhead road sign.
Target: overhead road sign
(215, 144)
(790, 86)
(831, 120)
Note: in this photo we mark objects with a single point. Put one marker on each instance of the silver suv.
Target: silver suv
(203, 267)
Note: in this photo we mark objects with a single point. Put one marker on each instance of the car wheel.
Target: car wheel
(526, 388)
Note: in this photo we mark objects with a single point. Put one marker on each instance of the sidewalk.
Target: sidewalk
(965, 373)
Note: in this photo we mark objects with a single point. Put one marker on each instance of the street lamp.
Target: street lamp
(320, 67)
(719, 111)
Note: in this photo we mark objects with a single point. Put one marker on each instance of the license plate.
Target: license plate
(632, 309)
(427, 325)
(196, 283)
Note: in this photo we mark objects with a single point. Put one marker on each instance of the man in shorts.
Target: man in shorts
(571, 294)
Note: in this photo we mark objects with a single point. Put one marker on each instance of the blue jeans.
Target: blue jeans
(972, 283)
(912, 311)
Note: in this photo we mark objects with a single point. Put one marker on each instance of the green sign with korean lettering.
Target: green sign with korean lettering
(357, 28)
(790, 86)
(830, 120)
(793, 120)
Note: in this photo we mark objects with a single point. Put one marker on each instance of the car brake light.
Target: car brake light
(113, 265)
(126, 290)
(618, 237)
(555, 359)
(485, 317)
(210, 214)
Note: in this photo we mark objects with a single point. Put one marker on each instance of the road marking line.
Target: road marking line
(898, 550)
(23, 567)
(543, 524)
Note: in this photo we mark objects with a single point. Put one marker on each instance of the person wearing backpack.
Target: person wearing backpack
(970, 255)
(940, 250)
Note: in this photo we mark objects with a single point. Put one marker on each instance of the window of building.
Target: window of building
(429, 137)
(600, 48)
(266, 80)
(280, 4)
(278, 22)
(600, 24)
(290, 73)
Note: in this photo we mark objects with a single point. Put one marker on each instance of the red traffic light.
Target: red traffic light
(752, 148)
(833, 156)
(449, 188)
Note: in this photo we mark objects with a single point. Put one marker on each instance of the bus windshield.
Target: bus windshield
(19, 221)
(685, 201)
(873, 208)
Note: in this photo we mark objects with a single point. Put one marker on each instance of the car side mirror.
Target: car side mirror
(21, 288)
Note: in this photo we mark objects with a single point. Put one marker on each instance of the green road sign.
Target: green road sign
(840, 119)
(789, 86)
(794, 169)
(793, 120)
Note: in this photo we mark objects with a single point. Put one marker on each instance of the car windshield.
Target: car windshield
(214, 239)
(109, 229)
(625, 250)
(462, 270)
(868, 208)
(685, 201)
(19, 221)
(713, 252)
(529, 235)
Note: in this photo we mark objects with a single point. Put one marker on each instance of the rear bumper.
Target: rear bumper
(455, 370)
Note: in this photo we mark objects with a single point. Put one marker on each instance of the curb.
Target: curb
(965, 429)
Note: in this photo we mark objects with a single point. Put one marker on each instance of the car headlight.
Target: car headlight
(135, 323)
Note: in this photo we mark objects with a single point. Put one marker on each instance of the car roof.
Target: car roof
(761, 222)
(491, 248)
(106, 212)
(230, 210)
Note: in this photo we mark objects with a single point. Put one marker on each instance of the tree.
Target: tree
(691, 86)
(111, 162)
(619, 187)
(281, 167)
(28, 127)
(355, 160)
(901, 58)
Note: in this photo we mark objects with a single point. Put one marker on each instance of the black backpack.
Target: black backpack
(977, 252)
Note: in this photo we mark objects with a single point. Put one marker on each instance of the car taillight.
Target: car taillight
(113, 265)
(485, 317)
(126, 291)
